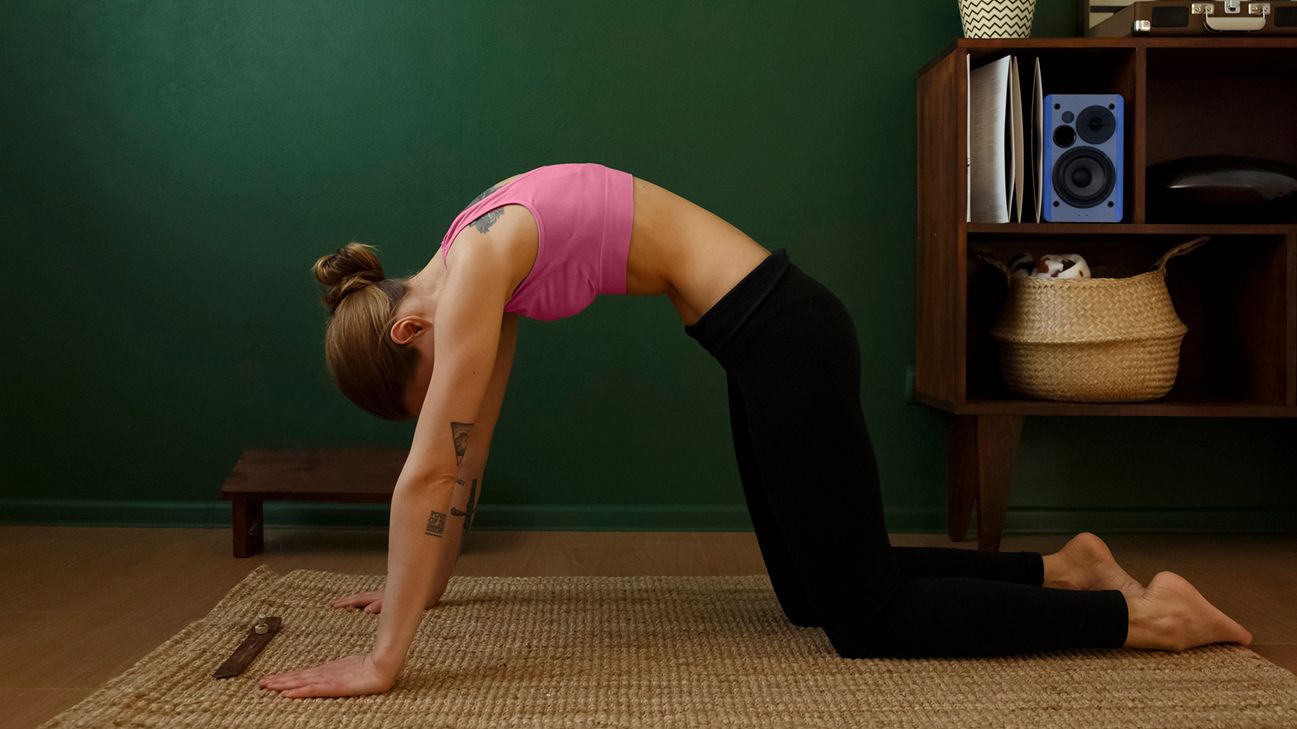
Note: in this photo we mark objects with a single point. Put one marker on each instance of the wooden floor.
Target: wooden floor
(83, 604)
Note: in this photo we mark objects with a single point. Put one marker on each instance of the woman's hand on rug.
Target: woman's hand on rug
(351, 676)
(370, 602)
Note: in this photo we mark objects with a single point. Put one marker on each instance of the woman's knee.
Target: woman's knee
(868, 629)
(860, 641)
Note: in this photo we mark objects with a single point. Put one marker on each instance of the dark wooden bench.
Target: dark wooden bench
(343, 475)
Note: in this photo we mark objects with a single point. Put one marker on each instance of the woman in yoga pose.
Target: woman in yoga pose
(439, 346)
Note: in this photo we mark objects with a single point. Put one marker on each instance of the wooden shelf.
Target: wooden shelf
(1041, 229)
(1171, 406)
(1237, 294)
(980, 48)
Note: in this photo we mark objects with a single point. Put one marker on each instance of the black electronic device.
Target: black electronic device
(1222, 189)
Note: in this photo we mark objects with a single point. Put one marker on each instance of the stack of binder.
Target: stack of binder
(999, 174)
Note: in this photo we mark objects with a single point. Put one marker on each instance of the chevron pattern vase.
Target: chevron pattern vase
(997, 18)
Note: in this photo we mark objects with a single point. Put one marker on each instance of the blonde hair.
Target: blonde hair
(371, 370)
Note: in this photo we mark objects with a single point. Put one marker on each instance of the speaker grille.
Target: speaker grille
(1083, 177)
(1095, 124)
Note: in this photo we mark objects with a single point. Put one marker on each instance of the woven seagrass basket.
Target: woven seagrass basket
(1090, 340)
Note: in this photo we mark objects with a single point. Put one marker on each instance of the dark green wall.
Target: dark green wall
(171, 170)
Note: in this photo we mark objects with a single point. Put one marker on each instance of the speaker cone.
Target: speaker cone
(1095, 124)
(1083, 177)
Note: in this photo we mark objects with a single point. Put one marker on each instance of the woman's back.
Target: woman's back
(564, 226)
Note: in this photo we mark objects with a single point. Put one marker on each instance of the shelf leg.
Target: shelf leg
(962, 478)
(982, 453)
(248, 530)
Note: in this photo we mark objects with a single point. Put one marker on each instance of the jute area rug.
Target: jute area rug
(653, 652)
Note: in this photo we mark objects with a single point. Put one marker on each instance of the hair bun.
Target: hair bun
(351, 268)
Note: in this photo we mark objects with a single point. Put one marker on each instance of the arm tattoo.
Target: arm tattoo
(484, 221)
(459, 433)
(436, 524)
(459, 488)
(470, 506)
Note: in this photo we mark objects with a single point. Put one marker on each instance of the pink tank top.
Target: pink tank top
(583, 214)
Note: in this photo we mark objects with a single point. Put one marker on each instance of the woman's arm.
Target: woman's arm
(470, 317)
(469, 320)
(469, 481)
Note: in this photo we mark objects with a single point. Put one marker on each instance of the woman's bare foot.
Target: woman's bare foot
(1085, 563)
(1172, 615)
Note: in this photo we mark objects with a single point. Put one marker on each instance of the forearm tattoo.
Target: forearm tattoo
(437, 520)
(436, 524)
(470, 504)
(459, 434)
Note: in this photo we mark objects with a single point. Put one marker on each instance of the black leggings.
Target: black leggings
(792, 361)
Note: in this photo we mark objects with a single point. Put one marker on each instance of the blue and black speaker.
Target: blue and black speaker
(1083, 158)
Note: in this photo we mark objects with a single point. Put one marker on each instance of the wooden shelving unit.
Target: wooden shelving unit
(1237, 294)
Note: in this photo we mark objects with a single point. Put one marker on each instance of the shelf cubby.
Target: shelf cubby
(1237, 295)
(1230, 293)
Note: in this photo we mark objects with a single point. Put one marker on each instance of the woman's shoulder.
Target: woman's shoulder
(493, 188)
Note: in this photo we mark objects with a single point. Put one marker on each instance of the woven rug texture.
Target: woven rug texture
(653, 652)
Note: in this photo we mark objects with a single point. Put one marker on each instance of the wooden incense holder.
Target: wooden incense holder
(262, 630)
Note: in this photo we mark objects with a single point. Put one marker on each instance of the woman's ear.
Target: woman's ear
(405, 329)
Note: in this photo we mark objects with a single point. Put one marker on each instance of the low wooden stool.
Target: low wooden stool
(343, 475)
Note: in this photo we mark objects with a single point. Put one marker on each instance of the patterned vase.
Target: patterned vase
(997, 18)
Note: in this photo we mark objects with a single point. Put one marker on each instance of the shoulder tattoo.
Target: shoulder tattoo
(484, 221)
